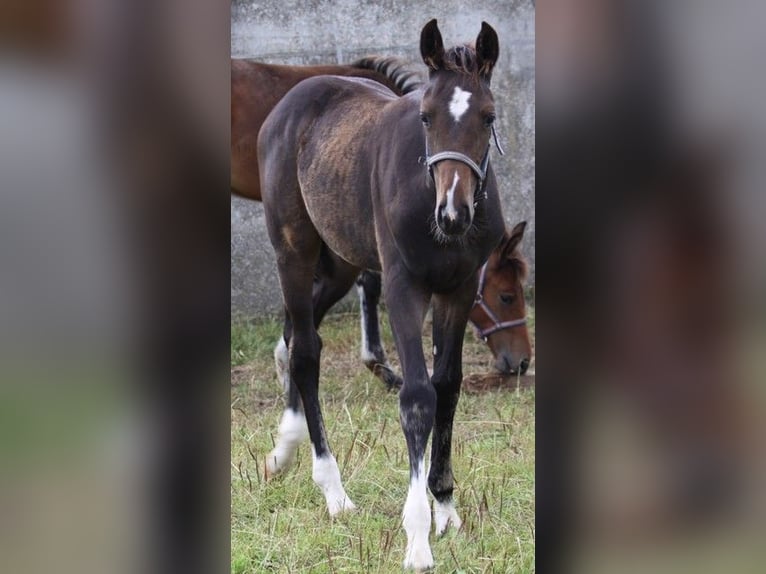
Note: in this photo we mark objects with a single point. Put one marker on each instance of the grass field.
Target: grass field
(283, 525)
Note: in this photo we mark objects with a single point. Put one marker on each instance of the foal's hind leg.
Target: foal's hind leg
(292, 427)
(373, 354)
(334, 279)
(297, 245)
(450, 316)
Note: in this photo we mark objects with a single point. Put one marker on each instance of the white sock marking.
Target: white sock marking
(282, 362)
(292, 432)
(327, 476)
(367, 354)
(417, 523)
(459, 103)
(444, 515)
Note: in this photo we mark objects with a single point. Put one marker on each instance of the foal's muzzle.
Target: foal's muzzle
(460, 186)
(453, 221)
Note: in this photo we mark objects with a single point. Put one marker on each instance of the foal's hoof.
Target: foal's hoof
(381, 370)
(338, 507)
(445, 516)
(270, 471)
(274, 466)
(419, 558)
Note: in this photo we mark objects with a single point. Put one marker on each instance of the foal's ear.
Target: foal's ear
(431, 46)
(512, 239)
(487, 50)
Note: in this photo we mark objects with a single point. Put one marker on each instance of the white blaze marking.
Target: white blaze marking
(459, 103)
(327, 476)
(417, 523)
(292, 432)
(444, 515)
(451, 211)
(367, 355)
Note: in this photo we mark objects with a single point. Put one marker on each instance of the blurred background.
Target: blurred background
(115, 292)
(650, 283)
(114, 259)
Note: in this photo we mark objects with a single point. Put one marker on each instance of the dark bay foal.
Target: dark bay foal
(401, 185)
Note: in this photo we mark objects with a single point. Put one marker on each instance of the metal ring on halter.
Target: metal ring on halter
(498, 325)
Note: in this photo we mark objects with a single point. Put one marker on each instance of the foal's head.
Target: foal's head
(500, 320)
(457, 112)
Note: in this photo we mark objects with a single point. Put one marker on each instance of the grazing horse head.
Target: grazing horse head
(456, 106)
(499, 314)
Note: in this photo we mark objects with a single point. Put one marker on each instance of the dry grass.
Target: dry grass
(283, 526)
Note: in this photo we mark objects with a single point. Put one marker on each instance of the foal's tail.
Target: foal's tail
(401, 72)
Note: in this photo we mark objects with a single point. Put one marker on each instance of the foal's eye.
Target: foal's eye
(489, 120)
(426, 119)
(507, 298)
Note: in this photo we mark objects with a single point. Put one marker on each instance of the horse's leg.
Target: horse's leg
(281, 355)
(292, 427)
(407, 305)
(334, 279)
(330, 277)
(450, 315)
(297, 246)
(373, 354)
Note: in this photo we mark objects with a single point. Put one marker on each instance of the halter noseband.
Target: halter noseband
(479, 170)
(498, 324)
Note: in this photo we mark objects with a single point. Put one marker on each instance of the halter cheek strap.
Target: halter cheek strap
(498, 325)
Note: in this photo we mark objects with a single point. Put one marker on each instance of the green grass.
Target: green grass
(283, 526)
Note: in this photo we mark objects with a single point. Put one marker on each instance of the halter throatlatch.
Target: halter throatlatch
(498, 325)
(479, 170)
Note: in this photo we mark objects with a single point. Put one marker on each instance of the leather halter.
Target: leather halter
(480, 170)
(498, 324)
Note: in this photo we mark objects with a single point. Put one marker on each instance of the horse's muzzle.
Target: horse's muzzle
(453, 221)
(506, 365)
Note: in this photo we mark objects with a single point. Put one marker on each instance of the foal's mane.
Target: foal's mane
(461, 59)
(400, 72)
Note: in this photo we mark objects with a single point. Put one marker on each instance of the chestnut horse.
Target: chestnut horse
(342, 169)
(499, 311)
(256, 88)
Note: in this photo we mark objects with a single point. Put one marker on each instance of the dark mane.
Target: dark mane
(404, 76)
(462, 59)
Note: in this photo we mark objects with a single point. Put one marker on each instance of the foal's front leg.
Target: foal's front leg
(450, 316)
(407, 306)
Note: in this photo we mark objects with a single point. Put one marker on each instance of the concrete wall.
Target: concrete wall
(316, 31)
